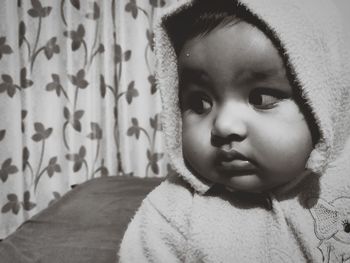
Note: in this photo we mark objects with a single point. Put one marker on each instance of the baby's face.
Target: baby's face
(241, 125)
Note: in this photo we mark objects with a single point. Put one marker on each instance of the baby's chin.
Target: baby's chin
(250, 184)
(254, 184)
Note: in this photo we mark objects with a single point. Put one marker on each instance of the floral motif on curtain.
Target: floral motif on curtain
(78, 99)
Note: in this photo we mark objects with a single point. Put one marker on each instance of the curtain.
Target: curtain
(78, 99)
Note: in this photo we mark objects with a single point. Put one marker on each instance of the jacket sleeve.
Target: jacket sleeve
(157, 231)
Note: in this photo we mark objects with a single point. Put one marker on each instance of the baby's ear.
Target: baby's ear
(326, 218)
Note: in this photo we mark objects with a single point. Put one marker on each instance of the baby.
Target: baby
(256, 116)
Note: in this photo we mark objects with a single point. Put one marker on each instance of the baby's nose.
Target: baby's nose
(229, 125)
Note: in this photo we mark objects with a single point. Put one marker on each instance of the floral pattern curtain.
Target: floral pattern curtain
(77, 99)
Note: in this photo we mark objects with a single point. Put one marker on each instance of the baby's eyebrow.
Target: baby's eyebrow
(191, 74)
(252, 75)
(187, 72)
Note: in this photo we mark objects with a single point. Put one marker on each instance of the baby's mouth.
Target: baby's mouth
(234, 163)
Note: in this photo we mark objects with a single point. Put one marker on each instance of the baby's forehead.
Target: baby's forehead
(241, 51)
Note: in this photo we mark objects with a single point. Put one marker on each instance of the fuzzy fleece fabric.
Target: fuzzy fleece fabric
(188, 220)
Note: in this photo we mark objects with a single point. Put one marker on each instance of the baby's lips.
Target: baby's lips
(235, 163)
(230, 155)
(237, 167)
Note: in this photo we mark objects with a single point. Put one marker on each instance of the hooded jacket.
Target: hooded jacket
(188, 220)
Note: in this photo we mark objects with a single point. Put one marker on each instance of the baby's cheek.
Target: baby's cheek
(192, 144)
(196, 148)
(189, 145)
(195, 133)
(283, 143)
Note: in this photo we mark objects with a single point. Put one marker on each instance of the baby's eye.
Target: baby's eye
(265, 98)
(199, 103)
(346, 226)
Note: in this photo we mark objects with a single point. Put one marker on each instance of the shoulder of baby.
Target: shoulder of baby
(172, 200)
(171, 195)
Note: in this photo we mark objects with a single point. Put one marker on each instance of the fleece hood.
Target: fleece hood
(311, 37)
